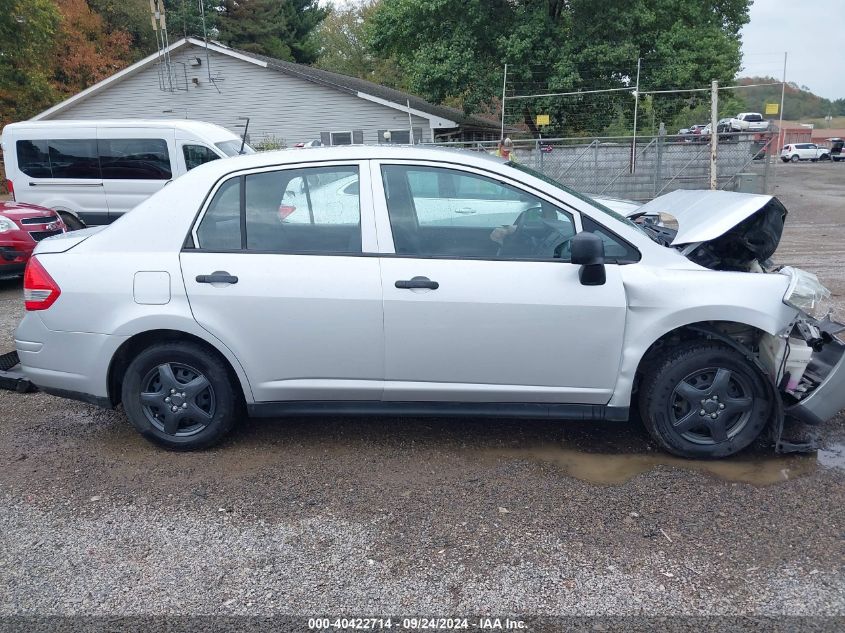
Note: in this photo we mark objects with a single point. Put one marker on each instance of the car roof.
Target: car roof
(351, 153)
(198, 127)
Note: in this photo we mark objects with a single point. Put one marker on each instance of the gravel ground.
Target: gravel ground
(377, 516)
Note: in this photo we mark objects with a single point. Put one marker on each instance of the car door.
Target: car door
(135, 162)
(470, 318)
(298, 303)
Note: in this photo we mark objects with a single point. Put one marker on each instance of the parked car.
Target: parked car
(22, 226)
(458, 284)
(92, 172)
(804, 151)
(836, 149)
(749, 122)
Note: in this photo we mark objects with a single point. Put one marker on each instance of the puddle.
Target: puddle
(603, 468)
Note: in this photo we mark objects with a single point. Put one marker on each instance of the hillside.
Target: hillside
(799, 102)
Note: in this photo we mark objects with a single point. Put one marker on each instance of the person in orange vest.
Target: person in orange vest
(505, 149)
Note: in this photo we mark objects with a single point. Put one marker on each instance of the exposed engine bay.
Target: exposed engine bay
(746, 247)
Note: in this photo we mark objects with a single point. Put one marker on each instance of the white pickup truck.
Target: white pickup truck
(749, 122)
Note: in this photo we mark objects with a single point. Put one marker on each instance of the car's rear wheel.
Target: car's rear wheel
(179, 395)
(703, 400)
(795, 158)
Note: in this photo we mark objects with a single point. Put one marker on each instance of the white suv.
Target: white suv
(804, 151)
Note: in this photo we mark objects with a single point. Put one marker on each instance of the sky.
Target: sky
(809, 31)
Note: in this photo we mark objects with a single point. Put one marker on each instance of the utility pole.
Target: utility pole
(636, 109)
(504, 88)
(781, 133)
(714, 134)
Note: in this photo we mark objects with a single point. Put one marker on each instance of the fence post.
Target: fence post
(658, 164)
(714, 134)
(595, 145)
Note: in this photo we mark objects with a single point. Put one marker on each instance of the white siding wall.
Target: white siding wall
(289, 108)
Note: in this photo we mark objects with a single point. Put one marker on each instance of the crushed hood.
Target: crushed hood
(704, 215)
(732, 228)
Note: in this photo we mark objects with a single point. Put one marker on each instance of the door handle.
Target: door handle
(465, 211)
(217, 277)
(417, 282)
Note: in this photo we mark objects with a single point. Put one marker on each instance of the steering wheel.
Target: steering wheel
(533, 237)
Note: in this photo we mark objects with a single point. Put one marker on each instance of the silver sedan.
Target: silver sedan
(386, 280)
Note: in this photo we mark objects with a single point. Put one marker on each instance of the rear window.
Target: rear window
(92, 159)
(134, 159)
(74, 159)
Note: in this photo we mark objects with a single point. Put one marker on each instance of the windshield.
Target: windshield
(233, 148)
(597, 205)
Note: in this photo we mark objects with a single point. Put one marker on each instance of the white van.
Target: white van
(92, 172)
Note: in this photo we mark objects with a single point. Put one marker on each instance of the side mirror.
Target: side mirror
(588, 251)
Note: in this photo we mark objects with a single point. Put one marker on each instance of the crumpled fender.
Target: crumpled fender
(698, 295)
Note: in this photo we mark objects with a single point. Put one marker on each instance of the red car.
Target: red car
(22, 226)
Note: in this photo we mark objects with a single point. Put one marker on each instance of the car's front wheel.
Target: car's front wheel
(180, 396)
(704, 400)
(795, 158)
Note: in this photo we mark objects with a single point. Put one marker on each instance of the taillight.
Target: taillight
(40, 290)
(285, 210)
(11, 187)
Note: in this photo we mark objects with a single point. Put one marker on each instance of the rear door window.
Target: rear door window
(134, 159)
(74, 159)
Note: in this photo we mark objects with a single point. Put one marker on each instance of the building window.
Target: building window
(399, 137)
(341, 138)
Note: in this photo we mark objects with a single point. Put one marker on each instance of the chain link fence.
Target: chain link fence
(643, 168)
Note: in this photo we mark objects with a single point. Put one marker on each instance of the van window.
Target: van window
(34, 159)
(74, 158)
(134, 159)
(233, 148)
(196, 155)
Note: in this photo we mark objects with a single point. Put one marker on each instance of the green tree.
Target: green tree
(27, 28)
(276, 28)
(342, 46)
(132, 16)
(185, 18)
(456, 49)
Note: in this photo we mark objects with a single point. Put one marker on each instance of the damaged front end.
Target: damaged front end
(807, 361)
(731, 231)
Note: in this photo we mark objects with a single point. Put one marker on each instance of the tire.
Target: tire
(679, 386)
(824, 157)
(786, 160)
(71, 222)
(207, 411)
(795, 158)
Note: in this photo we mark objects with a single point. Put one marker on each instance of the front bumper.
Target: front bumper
(828, 398)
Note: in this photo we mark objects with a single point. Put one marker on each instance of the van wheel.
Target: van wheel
(795, 158)
(704, 400)
(71, 222)
(180, 396)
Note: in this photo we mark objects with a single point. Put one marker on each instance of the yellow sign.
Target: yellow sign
(771, 108)
(543, 119)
